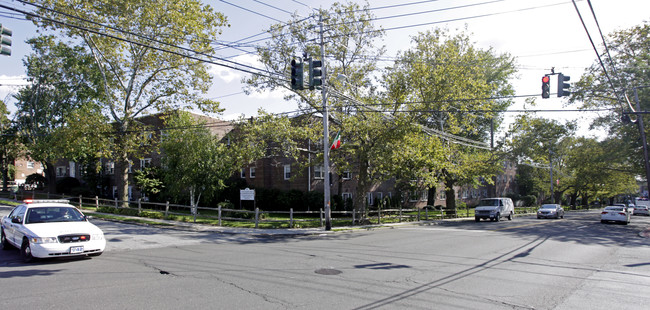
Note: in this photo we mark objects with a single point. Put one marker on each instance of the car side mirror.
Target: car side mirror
(16, 220)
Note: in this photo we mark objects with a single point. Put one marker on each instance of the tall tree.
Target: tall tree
(440, 83)
(613, 88)
(197, 162)
(62, 80)
(9, 145)
(141, 50)
(542, 142)
(352, 54)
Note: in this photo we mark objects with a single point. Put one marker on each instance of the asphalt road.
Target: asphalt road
(572, 263)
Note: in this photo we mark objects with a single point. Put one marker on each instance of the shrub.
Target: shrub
(65, 185)
(37, 180)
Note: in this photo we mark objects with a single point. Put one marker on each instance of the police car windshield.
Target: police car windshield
(53, 214)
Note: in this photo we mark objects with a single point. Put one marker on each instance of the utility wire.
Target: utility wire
(600, 60)
(609, 55)
(251, 11)
(98, 32)
(272, 6)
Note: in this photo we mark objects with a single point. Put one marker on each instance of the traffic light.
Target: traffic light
(5, 38)
(563, 88)
(297, 82)
(315, 73)
(546, 86)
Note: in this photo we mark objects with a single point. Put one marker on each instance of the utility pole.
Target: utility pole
(326, 139)
(639, 121)
(550, 164)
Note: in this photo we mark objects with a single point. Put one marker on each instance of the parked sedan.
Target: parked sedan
(615, 214)
(550, 211)
(641, 210)
(50, 228)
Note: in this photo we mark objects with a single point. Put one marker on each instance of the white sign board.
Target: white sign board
(247, 194)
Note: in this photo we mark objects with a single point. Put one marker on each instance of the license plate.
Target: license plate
(76, 249)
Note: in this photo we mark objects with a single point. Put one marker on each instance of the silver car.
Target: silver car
(550, 211)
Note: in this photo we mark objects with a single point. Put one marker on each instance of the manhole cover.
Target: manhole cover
(328, 271)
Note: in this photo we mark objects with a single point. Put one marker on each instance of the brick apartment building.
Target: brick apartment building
(271, 173)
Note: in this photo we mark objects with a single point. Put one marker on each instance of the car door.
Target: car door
(11, 227)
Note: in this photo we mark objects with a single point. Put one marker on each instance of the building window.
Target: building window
(443, 195)
(242, 173)
(347, 175)
(130, 167)
(114, 191)
(30, 165)
(73, 169)
(145, 163)
(251, 172)
(60, 171)
(346, 196)
(370, 200)
(287, 172)
(130, 193)
(110, 167)
(319, 172)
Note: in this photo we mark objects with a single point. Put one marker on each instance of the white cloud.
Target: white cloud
(228, 75)
(9, 85)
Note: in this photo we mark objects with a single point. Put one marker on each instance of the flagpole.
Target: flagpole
(326, 145)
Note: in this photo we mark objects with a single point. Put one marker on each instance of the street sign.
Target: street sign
(247, 194)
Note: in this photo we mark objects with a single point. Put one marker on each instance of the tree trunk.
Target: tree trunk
(122, 177)
(362, 187)
(431, 196)
(50, 175)
(450, 200)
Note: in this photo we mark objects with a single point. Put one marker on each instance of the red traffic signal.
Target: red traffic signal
(546, 87)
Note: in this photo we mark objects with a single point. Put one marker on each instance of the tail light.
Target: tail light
(622, 213)
(603, 212)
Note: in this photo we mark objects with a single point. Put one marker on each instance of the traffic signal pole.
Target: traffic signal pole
(326, 139)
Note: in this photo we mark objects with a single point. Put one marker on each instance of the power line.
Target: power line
(98, 32)
(399, 5)
(600, 60)
(460, 18)
(251, 11)
(272, 6)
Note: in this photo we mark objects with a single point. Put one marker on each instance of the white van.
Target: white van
(494, 209)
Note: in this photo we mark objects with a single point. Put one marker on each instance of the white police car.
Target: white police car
(50, 228)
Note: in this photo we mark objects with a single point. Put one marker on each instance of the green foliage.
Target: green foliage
(36, 179)
(149, 180)
(439, 82)
(139, 69)
(630, 51)
(121, 211)
(63, 82)
(529, 200)
(278, 200)
(65, 185)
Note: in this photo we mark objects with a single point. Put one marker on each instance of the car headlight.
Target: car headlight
(99, 236)
(40, 240)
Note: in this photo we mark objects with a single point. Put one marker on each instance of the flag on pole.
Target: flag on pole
(337, 142)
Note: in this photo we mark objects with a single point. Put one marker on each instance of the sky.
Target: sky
(540, 34)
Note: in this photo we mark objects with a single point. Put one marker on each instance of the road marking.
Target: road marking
(525, 225)
(444, 228)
